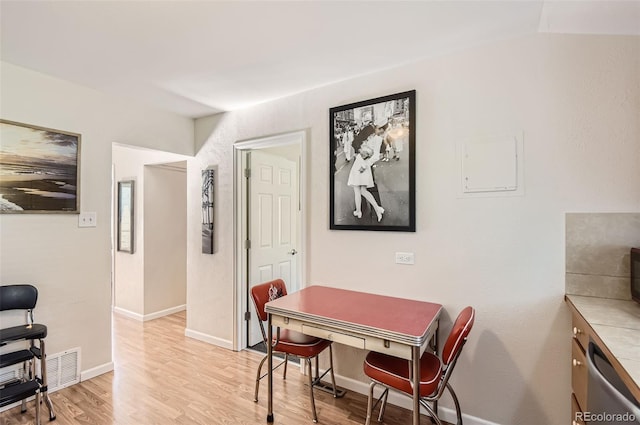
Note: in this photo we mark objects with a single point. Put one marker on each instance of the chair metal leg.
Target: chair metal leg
(313, 402)
(286, 362)
(455, 401)
(434, 417)
(370, 403)
(371, 406)
(27, 375)
(38, 408)
(383, 397)
(43, 371)
(255, 397)
(259, 377)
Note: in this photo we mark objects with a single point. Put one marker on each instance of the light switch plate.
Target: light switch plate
(88, 219)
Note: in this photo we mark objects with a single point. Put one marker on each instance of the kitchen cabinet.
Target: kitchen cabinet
(612, 325)
(579, 375)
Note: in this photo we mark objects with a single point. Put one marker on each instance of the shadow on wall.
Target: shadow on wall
(524, 383)
(506, 395)
(205, 128)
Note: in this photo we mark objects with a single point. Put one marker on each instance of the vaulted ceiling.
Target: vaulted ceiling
(197, 58)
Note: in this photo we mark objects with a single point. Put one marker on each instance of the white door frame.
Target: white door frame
(240, 222)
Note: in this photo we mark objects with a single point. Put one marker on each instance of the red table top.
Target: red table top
(361, 310)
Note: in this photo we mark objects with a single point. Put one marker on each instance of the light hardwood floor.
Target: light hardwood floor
(163, 377)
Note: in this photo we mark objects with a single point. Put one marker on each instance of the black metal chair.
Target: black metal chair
(33, 382)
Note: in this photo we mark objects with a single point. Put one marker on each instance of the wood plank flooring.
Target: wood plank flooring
(163, 377)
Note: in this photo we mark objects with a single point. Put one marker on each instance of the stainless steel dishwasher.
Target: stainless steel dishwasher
(609, 401)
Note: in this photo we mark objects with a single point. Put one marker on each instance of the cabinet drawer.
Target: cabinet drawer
(580, 330)
(334, 336)
(576, 413)
(579, 375)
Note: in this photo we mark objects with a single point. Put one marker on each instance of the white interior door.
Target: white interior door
(273, 215)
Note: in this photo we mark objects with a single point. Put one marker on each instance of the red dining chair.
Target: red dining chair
(395, 373)
(290, 342)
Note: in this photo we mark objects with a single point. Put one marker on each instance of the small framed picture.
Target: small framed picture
(126, 216)
(372, 164)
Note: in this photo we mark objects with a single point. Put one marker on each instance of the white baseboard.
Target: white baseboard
(96, 371)
(143, 318)
(165, 312)
(224, 343)
(127, 313)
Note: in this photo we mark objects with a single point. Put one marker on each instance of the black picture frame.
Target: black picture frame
(39, 169)
(386, 127)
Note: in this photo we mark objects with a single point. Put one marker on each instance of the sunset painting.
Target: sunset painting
(39, 169)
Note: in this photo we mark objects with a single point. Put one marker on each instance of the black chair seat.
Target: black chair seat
(17, 333)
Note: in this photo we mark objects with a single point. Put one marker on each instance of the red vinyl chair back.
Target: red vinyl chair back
(459, 332)
(265, 292)
(394, 372)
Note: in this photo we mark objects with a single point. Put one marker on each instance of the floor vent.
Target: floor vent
(11, 373)
(63, 369)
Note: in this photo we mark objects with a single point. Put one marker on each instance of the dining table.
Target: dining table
(400, 327)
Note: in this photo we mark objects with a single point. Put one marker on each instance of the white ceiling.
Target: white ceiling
(197, 58)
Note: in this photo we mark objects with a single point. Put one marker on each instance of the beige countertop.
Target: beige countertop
(617, 323)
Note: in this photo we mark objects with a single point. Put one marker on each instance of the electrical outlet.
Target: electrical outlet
(405, 258)
(88, 219)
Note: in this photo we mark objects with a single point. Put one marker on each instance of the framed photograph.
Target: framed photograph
(372, 164)
(126, 217)
(39, 169)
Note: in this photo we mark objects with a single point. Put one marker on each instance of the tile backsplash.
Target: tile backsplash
(597, 253)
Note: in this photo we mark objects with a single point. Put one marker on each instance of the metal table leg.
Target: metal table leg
(270, 372)
(416, 385)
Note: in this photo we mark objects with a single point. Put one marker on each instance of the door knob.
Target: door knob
(293, 252)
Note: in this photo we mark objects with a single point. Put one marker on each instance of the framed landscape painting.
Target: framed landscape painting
(372, 164)
(39, 169)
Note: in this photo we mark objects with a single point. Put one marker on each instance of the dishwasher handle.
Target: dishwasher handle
(607, 394)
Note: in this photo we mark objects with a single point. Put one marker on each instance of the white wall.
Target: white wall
(165, 239)
(576, 100)
(130, 292)
(71, 266)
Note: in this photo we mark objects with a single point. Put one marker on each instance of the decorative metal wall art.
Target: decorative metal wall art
(208, 194)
